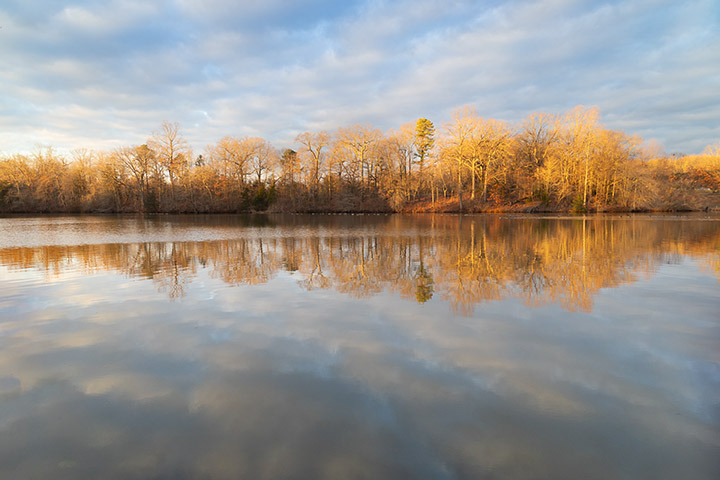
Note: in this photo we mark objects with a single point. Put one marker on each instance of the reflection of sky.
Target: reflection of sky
(101, 376)
(34, 231)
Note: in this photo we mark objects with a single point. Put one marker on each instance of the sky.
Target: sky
(105, 74)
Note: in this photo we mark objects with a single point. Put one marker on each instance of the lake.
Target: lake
(360, 347)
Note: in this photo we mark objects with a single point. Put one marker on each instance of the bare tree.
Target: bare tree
(491, 145)
(264, 158)
(139, 161)
(458, 142)
(314, 143)
(360, 139)
(172, 151)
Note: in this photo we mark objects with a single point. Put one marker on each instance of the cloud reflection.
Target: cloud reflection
(102, 377)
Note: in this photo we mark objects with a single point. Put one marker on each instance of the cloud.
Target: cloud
(275, 68)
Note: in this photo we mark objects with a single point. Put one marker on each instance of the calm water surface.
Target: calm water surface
(360, 347)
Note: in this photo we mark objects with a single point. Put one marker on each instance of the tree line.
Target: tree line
(546, 162)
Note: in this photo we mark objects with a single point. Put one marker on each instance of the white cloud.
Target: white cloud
(272, 68)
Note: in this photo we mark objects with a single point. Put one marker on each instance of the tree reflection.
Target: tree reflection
(424, 284)
(463, 261)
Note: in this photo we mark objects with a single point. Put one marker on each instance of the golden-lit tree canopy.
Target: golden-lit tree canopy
(545, 162)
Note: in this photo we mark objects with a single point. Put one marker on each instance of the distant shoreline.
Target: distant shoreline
(503, 210)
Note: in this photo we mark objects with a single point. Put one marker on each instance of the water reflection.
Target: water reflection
(461, 261)
(323, 350)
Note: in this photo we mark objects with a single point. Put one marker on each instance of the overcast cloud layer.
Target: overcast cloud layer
(101, 74)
